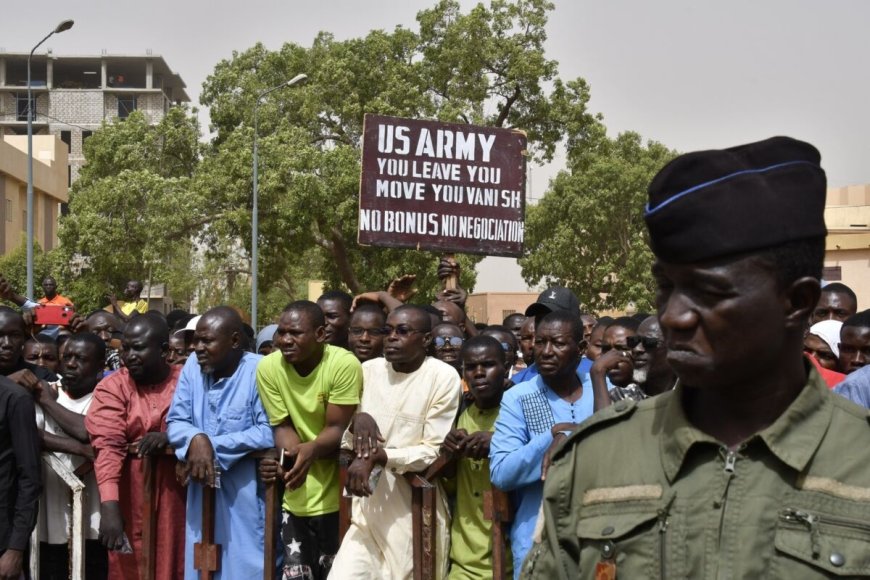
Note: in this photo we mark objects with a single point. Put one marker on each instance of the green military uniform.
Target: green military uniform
(639, 492)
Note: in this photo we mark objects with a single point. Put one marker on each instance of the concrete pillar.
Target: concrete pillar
(49, 72)
(103, 73)
(2, 71)
(149, 74)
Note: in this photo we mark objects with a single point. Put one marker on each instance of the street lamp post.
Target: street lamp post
(64, 25)
(255, 218)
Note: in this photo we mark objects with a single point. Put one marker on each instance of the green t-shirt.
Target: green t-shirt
(337, 380)
(470, 532)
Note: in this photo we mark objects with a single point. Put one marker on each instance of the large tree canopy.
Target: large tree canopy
(150, 195)
(131, 213)
(587, 232)
(486, 66)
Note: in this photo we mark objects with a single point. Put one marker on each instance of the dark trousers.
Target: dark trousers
(310, 545)
(54, 561)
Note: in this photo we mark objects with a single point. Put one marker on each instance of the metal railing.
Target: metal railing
(423, 512)
(77, 521)
(207, 552)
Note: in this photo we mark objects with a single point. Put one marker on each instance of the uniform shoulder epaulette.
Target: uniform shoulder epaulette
(618, 411)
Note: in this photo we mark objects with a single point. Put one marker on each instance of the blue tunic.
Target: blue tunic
(230, 413)
(522, 435)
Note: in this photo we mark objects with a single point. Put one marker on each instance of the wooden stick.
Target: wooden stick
(273, 514)
(345, 504)
(497, 509)
(147, 564)
(452, 281)
(207, 554)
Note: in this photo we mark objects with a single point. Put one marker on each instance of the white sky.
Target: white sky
(692, 74)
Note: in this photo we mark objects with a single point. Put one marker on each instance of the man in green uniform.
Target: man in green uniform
(750, 468)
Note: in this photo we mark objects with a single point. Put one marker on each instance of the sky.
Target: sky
(691, 74)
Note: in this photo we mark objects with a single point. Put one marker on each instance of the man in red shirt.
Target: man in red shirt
(130, 406)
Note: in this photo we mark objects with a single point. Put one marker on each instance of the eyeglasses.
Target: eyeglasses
(357, 331)
(441, 342)
(649, 342)
(400, 330)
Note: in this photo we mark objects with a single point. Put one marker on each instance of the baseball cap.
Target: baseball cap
(555, 298)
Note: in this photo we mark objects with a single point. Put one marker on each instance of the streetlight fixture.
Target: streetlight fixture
(255, 218)
(64, 25)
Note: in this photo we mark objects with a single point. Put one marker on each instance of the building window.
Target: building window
(85, 135)
(832, 273)
(21, 106)
(66, 137)
(126, 105)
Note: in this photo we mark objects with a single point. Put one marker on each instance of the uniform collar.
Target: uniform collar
(793, 438)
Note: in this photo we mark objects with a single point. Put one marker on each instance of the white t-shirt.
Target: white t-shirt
(56, 513)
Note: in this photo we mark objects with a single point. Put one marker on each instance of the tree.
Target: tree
(486, 66)
(587, 233)
(13, 267)
(131, 213)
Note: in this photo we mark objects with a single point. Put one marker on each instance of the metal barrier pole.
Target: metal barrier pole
(77, 551)
(273, 507)
(497, 509)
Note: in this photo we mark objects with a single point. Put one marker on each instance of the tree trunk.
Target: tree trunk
(345, 269)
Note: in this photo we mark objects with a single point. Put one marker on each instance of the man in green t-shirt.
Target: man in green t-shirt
(485, 371)
(310, 390)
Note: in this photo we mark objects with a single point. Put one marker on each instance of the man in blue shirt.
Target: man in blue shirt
(215, 420)
(531, 414)
(553, 299)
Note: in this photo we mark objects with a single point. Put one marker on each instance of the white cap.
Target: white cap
(191, 325)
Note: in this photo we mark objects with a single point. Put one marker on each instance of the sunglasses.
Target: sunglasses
(399, 330)
(441, 342)
(649, 342)
(357, 331)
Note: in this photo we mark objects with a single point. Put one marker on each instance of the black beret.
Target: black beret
(710, 204)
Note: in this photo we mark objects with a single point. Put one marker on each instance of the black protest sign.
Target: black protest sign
(442, 187)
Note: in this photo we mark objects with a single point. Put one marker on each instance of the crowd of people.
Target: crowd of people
(618, 440)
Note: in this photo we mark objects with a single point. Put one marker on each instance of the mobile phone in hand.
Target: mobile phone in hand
(52, 315)
(287, 462)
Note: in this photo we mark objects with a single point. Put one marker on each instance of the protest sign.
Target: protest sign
(442, 186)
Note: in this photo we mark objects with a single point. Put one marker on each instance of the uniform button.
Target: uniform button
(837, 559)
(620, 406)
(607, 531)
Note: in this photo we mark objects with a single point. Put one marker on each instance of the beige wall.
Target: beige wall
(853, 258)
(847, 216)
(493, 307)
(49, 188)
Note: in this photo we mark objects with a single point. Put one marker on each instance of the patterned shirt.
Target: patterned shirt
(632, 391)
(522, 435)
